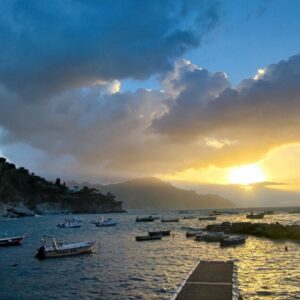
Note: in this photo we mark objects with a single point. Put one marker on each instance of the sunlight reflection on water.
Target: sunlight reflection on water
(124, 269)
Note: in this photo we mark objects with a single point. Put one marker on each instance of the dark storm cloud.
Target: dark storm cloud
(49, 46)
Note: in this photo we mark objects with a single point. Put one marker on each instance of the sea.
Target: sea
(121, 268)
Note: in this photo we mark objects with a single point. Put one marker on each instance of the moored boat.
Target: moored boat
(215, 213)
(70, 223)
(170, 220)
(187, 217)
(106, 223)
(255, 216)
(160, 232)
(61, 249)
(11, 241)
(143, 238)
(145, 219)
(233, 240)
(207, 218)
(210, 236)
(269, 212)
(193, 233)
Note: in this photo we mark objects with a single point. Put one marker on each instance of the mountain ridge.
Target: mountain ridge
(152, 192)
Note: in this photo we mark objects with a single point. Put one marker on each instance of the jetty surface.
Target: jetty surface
(210, 280)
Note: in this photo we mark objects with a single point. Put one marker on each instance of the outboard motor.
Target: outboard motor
(40, 253)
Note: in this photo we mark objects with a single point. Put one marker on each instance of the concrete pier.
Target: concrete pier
(210, 280)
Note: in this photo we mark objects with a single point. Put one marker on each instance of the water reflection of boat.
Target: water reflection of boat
(11, 241)
(233, 240)
(207, 218)
(255, 216)
(61, 249)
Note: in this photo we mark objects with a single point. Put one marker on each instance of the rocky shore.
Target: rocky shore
(272, 231)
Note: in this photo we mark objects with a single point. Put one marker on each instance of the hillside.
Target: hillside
(22, 193)
(155, 193)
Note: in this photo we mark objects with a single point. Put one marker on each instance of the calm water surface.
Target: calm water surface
(121, 268)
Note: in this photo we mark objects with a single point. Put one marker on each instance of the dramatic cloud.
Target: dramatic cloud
(50, 46)
(62, 65)
(259, 114)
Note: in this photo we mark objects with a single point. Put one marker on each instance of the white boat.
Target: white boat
(70, 223)
(61, 249)
(11, 241)
(106, 223)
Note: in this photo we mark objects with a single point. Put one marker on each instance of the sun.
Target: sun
(246, 175)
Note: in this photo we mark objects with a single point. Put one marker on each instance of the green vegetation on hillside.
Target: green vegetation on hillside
(19, 186)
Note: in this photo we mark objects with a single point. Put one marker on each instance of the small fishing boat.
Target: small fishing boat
(233, 240)
(210, 236)
(106, 223)
(170, 220)
(207, 218)
(187, 217)
(61, 249)
(255, 216)
(189, 234)
(215, 213)
(143, 238)
(70, 223)
(161, 232)
(145, 219)
(11, 241)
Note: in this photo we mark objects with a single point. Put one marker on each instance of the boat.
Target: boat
(269, 212)
(255, 216)
(106, 223)
(70, 223)
(61, 249)
(143, 238)
(161, 232)
(170, 220)
(233, 240)
(189, 234)
(11, 241)
(187, 217)
(215, 213)
(210, 236)
(145, 219)
(207, 218)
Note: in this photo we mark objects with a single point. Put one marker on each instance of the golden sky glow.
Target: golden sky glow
(245, 175)
(279, 166)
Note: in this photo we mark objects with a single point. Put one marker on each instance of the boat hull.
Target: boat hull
(66, 250)
(163, 233)
(144, 238)
(13, 241)
(233, 242)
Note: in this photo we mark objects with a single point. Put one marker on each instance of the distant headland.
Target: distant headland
(25, 194)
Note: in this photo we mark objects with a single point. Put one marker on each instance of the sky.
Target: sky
(194, 92)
